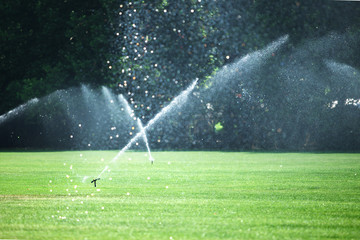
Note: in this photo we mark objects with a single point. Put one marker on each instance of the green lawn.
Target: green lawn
(184, 195)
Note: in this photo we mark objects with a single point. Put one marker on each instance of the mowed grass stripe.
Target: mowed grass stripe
(184, 195)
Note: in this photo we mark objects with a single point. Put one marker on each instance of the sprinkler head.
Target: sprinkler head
(94, 181)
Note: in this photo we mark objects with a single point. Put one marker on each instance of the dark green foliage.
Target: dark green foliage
(49, 45)
(152, 50)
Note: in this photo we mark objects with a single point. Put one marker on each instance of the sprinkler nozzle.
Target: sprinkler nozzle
(94, 181)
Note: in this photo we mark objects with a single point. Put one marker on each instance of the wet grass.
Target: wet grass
(184, 195)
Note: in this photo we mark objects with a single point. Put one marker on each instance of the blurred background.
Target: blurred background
(63, 65)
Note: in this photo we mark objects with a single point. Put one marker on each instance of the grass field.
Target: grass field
(184, 195)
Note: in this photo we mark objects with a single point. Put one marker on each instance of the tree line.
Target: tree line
(151, 50)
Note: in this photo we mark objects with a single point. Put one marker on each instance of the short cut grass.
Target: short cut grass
(183, 195)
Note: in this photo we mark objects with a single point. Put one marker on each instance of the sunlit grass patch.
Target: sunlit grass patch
(184, 195)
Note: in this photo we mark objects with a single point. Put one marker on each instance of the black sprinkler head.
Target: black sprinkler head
(94, 181)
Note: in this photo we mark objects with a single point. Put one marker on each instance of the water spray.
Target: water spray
(139, 123)
(16, 111)
(176, 102)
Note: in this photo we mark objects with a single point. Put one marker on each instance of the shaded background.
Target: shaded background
(303, 96)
